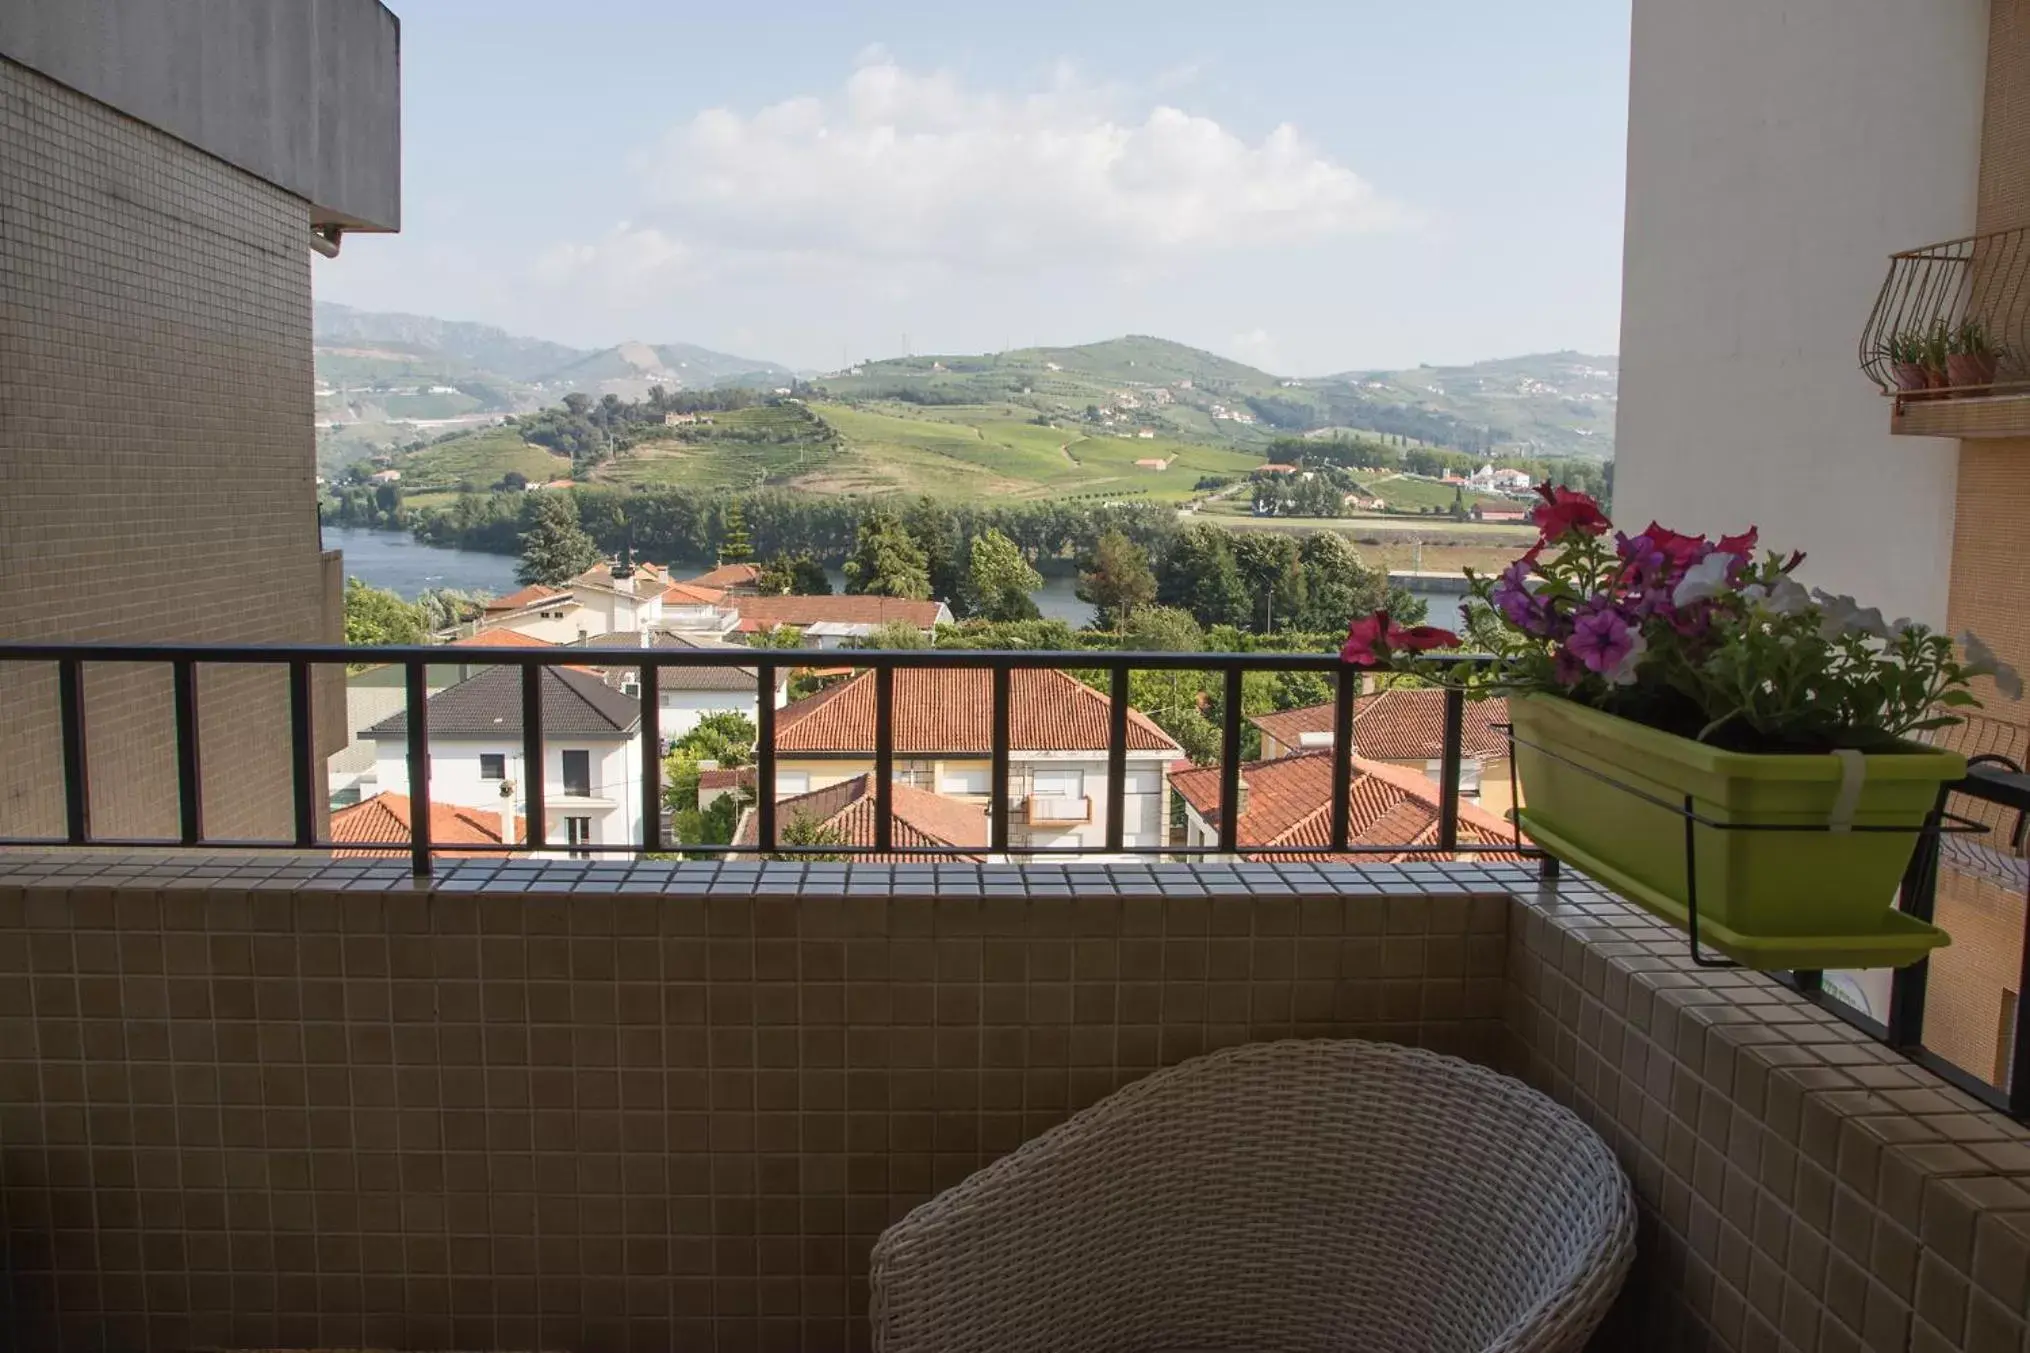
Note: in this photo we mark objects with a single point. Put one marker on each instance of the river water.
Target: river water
(393, 559)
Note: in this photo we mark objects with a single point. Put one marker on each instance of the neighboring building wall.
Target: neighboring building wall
(156, 456)
(1778, 152)
(1973, 979)
(683, 710)
(614, 804)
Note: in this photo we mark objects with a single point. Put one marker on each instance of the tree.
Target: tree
(1337, 586)
(576, 404)
(443, 607)
(999, 580)
(734, 546)
(1267, 561)
(375, 616)
(1117, 580)
(887, 561)
(514, 481)
(1459, 512)
(725, 736)
(1198, 574)
(935, 528)
(899, 635)
(808, 829)
(777, 636)
(556, 549)
(1163, 629)
(793, 575)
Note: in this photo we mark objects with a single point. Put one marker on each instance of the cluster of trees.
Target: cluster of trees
(376, 616)
(1319, 492)
(361, 504)
(1362, 453)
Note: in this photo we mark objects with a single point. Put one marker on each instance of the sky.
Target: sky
(1310, 188)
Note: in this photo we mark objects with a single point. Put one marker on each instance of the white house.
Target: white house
(685, 695)
(591, 763)
(1057, 762)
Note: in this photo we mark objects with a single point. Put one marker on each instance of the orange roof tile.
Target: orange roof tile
(768, 612)
(387, 817)
(951, 710)
(728, 575)
(1289, 803)
(691, 594)
(1403, 723)
(526, 596)
(918, 818)
(501, 639)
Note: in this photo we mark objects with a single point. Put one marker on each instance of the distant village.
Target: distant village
(824, 716)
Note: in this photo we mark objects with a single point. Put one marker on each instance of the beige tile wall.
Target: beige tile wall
(601, 1120)
(1802, 1187)
(156, 454)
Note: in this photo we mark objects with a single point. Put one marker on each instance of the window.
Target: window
(960, 780)
(1057, 782)
(792, 782)
(1469, 775)
(493, 765)
(578, 774)
(578, 832)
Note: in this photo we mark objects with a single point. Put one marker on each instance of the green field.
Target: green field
(478, 459)
(771, 444)
(1403, 494)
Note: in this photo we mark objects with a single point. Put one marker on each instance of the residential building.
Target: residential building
(1057, 760)
(845, 811)
(853, 616)
(1405, 726)
(1779, 152)
(1288, 802)
(389, 819)
(155, 280)
(687, 694)
(739, 578)
(620, 597)
(591, 754)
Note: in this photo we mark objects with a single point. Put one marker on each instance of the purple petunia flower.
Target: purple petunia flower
(1603, 639)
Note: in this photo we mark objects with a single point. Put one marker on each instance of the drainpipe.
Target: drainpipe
(325, 239)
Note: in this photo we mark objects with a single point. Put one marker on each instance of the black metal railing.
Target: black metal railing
(301, 661)
(1993, 781)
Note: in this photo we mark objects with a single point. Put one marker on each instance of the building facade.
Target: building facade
(156, 397)
(1780, 151)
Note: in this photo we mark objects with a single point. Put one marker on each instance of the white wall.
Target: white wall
(682, 710)
(1778, 152)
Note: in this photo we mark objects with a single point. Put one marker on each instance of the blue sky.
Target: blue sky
(1309, 187)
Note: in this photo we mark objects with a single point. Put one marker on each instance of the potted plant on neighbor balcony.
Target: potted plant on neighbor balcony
(1648, 672)
(1906, 362)
(1971, 356)
(1937, 348)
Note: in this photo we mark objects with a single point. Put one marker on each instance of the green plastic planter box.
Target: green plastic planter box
(1766, 899)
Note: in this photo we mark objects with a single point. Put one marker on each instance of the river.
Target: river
(393, 559)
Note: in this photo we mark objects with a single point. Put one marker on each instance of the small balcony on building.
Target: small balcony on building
(1948, 338)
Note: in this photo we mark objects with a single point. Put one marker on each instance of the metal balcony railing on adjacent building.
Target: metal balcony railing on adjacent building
(1948, 337)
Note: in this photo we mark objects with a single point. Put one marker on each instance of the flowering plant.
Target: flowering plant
(1697, 637)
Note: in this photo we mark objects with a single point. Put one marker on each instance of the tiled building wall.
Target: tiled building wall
(262, 1112)
(157, 475)
(1800, 1186)
(1974, 979)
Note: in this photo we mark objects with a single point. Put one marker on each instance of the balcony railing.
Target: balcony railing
(1950, 331)
(1999, 791)
(70, 661)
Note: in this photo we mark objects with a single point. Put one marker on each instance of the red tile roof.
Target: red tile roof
(526, 596)
(1289, 803)
(387, 817)
(692, 594)
(760, 613)
(728, 575)
(1403, 723)
(725, 778)
(918, 818)
(501, 639)
(951, 710)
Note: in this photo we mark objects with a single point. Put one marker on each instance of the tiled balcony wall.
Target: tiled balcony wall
(652, 1107)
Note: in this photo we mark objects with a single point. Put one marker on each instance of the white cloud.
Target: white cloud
(906, 168)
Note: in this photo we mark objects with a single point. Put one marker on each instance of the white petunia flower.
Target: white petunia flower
(1623, 672)
(1843, 615)
(1981, 661)
(1703, 580)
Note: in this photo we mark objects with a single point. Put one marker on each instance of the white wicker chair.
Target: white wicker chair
(1278, 1196)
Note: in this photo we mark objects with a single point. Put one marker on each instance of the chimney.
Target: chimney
(1241, 800)
(507, 812)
